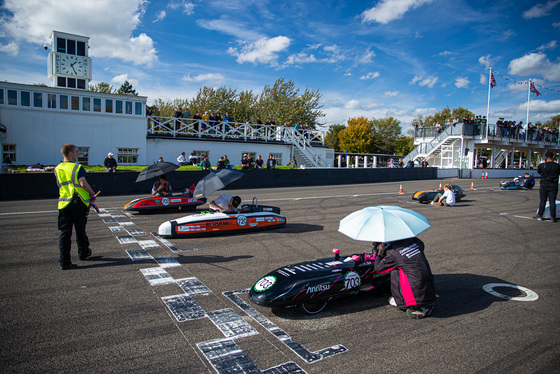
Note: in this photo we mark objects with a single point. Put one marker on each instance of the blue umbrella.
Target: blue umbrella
(383, 224)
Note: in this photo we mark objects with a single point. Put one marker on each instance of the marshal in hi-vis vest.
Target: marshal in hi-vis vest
(67, 179)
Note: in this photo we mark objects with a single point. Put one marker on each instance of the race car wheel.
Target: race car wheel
(313, 308)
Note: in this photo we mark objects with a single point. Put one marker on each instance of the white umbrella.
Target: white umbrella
(383, 224)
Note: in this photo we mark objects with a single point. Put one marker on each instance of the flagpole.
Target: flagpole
(528, 101)
(488, 107)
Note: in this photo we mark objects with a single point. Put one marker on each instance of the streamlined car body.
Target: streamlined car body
(427, 196)
(151, 204)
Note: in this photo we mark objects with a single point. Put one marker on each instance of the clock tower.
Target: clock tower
(68, 63)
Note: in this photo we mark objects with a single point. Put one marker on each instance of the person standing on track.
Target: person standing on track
(75, 198)
(549, 172)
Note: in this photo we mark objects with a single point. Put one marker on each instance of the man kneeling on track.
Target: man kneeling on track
(226, 203)
(412, 281)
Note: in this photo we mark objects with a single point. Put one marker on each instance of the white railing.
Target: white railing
(197, 128)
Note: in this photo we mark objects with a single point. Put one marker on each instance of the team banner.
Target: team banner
(493, 83)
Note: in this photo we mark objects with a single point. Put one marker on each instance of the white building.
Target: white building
(35, 121)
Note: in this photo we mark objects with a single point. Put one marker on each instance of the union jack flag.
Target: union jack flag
(492, 81)
(534, 90)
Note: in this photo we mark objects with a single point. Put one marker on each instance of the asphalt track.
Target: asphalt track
(141, 306)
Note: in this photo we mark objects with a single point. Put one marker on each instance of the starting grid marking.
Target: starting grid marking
(223, 354)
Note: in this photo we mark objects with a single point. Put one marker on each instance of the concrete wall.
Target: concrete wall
(43, 185)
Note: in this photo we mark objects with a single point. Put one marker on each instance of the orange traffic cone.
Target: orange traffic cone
(486, 177)
(472, 186)
(440, 185)
(482, 175)
(401, 192)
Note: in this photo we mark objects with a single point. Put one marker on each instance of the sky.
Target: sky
(376, 59)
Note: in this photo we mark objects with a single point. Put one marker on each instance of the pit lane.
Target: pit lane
(118, 312)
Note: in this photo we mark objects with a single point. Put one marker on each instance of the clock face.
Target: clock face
(75, 66)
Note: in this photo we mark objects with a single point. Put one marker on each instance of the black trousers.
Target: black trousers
(74, 215)
(550, 195)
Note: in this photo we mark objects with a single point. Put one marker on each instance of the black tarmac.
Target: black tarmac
(145, 305)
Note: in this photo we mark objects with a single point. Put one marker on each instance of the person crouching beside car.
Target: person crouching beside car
(412, 282)
(162, 187)
(447, 198)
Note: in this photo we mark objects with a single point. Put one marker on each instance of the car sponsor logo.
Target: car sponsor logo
(264, 283)
(217, 223)
(352, 280)
(318, 288)
(165, 201)
(242, 221)
(175, 200)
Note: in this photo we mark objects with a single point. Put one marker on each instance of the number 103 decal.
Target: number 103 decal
(352, 280)
(265, 283)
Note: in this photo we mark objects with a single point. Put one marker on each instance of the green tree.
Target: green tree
(102, 87)
(331, 137)
(553, 122)
(356, 137)
(385, 133)
(126, 89)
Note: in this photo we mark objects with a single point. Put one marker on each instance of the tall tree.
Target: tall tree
(102, 87)
(356, 137)
(385, 132)
(127, 89)
(331, 138)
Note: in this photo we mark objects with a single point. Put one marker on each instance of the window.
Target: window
(25, 98)
(138, 108)
(108, 106)
(97, 105)
(52, 101)
(8, 153)
(61, 82)
(37, 99)
(86, 104)
(128, 107)
(63, 102)
(1, 96)
(278, 158)
(71, 82)
(81, 49)
(118, 106)
(81, 84)
(83, 155)
(200, 154)
(61, 45)
(127, 156)
(12, 97)
(71, 46)
(75, 102)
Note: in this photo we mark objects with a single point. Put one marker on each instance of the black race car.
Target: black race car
(425, 197)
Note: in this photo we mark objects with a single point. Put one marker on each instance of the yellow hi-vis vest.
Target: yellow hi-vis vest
(67, 179)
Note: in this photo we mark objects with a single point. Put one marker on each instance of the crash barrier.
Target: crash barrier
(43, 185)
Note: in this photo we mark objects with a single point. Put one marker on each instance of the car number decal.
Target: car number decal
(265, 283)
(352, 280)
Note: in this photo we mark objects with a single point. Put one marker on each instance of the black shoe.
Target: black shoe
(538, 218)
(83, 258)
(553, 219)
(419, 312)
(67, 266)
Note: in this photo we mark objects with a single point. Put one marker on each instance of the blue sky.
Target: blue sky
(375, 59)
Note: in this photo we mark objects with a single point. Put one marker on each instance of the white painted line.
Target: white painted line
(530, 295)
(513, 215)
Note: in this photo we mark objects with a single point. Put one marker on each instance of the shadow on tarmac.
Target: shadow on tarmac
(457, 294)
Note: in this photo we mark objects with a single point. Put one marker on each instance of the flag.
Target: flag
(534, 90)
(492, 81)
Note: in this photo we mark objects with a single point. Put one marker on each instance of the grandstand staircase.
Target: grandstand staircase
(303, 149)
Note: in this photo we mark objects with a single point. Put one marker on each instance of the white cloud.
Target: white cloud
(301, 58)
(109, 24)
(550, 45)
(160, 16)
(430, 82)
(366, 58)
(486, 61)
(540, 10)
(556, 24)
(535, 64)
(390, 10)
(370, 75)
(353, 104)
(11, 48)
(186, 6)
(212, 77)
(538, 105)
(483, 79)
(263, 51)
(390, 93)
(226, 26)
(462, 82)
(119, 79)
